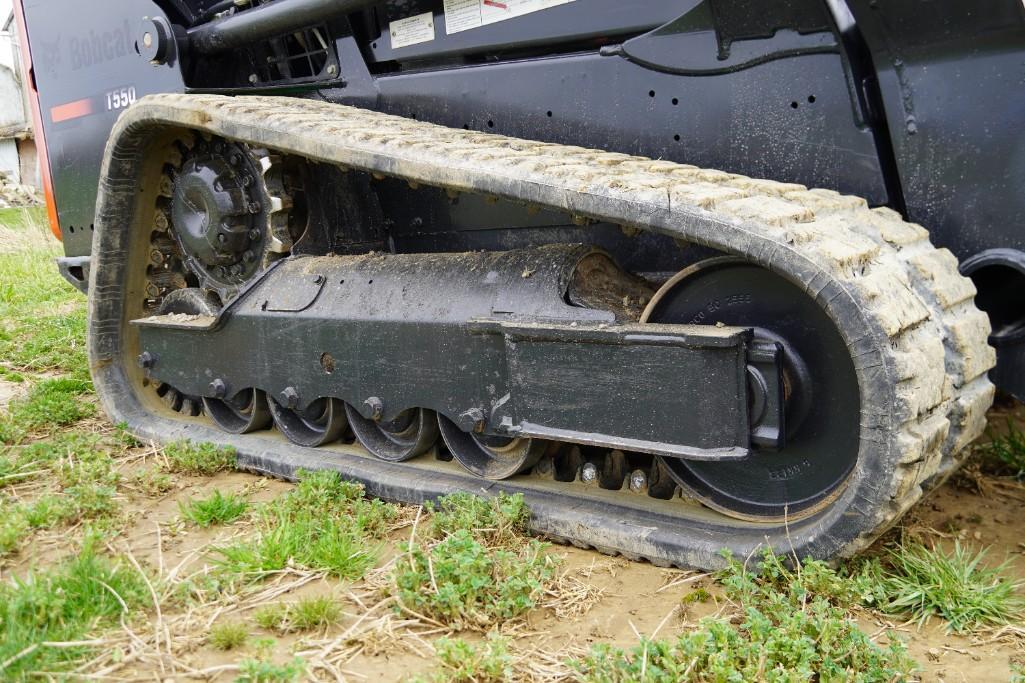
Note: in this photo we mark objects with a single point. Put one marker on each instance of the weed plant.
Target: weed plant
(1004, 455)
(203, 459)
(228, 635)
(265, 671)
(474, 568)
(463, 662)
(788, 631)
(308, 614)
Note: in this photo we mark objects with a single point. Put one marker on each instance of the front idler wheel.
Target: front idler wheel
(323, 421)
(821, 393)
(411, 433)
(245, 412)
(490, 457)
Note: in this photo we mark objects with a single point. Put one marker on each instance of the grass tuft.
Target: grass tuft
(787, 632)
(324, 523)
(956, 586)
(63, 605)
(1004, 455)
(307, 614)
(205, 459)
(217, 509)
(50, 404)
(228, 636)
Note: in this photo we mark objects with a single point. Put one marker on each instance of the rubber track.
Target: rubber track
(907, 316)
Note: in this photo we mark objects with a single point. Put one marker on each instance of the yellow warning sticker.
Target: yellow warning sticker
(461, 15)
(412, 30)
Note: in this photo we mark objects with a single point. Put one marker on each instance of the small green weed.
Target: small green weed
(153, 481)
(788, 632)
(925, 582)
(323, 523)
(206, 459)
(1004, 454)
(307, 614)
(63, 605)
(463, 662)
(217, 509)
(228, 635)
(474, 568)
(265, 671)
(493, 521)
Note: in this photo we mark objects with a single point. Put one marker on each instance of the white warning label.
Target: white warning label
(412, 30)
(461, 15)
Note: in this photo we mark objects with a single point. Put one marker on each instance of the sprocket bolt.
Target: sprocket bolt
(218, 388)
(253, 234)
(290, 398)
(376, 407)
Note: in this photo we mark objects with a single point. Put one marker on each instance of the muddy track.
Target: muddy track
(907, 317)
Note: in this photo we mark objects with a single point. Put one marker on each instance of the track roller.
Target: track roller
(323, 421)
(490, 457)
(410, 434)
(244, 412)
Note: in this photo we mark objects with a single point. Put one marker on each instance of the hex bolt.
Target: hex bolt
(376, 407)
(290, 398)
(253, 234)
(254, 79)
(147, 360)
(589, 473)
(638, 481)
(332, 69)
(478, 418)
(218, 388)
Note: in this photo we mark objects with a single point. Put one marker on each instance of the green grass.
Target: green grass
(217, 509)
(324, 523)
(65, 604)
(21, 218)
(473, 568)
(49, 405)
(954, 585)
(205, 459)
(264, 671)
(307, 614)
(463, 662)
(228, 635)
(786, 632)
(1004, 455)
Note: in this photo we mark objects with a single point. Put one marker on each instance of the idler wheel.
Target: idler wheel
(411, 433)
(323, 421)
(245, 412)
(490, 457)
(822, 398)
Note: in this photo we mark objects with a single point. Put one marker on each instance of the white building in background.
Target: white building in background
(18, 159)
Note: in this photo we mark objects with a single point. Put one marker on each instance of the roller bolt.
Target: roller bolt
(147, 360)
(376, 407)
(589, 473)
(218, 388)
(476, 415)
(638, 481)
(290, 398)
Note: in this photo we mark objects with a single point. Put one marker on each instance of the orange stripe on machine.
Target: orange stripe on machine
(71, 110)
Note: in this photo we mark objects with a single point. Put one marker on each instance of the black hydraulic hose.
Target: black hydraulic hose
(266, 21)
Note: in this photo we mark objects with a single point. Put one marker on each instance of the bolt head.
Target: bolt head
(332, 69)
(253, 234)
(218, 388)
(253, 78)
(147, 360)
(290, 398)
(376, 407)
(248, 256)
(147, 39)
(589, 473)
(638, 481)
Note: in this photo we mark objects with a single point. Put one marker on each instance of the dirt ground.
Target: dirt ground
(615, 599)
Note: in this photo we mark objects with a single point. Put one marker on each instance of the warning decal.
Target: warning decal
(461, 15)
(412, 30)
